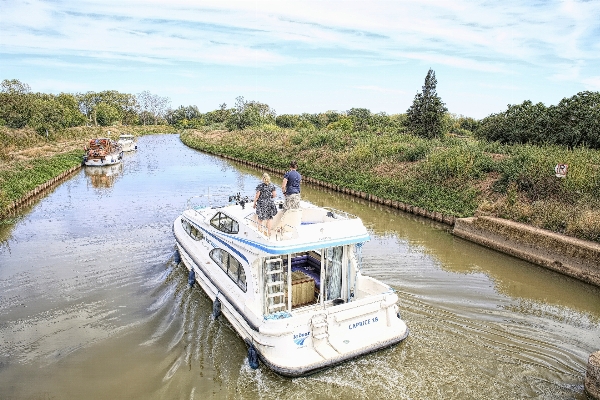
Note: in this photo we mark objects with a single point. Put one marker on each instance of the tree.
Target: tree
(425, 116)
(287, 121)
(182, 116)
(70, 109)
(14, 86)
(16, 103)
(249, 113)
(106, 114)
(151, 107)
(47, 116)
(124, 104)
(574, 122)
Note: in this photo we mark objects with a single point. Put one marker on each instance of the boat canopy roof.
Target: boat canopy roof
(303, 229)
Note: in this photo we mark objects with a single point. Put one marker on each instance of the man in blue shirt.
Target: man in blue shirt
(291, 187)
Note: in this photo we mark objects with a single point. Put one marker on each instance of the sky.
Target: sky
(307, 56)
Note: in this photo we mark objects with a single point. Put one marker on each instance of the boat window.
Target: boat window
(242, 279)
(231, 266)
(224, 223)
(192, 230)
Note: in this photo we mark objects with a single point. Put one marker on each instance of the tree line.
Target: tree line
(574, 122)
(47, 113)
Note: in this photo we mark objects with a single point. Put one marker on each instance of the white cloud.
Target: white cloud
(498, 39)
(255, 32)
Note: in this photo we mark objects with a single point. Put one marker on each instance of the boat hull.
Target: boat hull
(128, 145)
(110, 159)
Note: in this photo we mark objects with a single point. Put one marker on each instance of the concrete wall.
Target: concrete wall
(573, 257)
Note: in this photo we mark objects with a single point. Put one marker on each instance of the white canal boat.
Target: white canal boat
(101, 152)
(127, 142)
(297, 298)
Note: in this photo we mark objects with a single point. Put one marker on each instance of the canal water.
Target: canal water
(94, 306)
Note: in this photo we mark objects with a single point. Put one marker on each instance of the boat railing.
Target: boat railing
(208, 200)
(251, 220)
(286, 232)
(216, 200)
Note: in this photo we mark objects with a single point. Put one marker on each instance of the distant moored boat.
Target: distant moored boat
(127, 142)
(102, 151)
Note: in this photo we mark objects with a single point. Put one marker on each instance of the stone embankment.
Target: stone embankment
(577, 258)
(25, 199)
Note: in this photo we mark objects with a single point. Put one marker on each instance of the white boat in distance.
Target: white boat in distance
(127, 142)
(297, 298)
(102, 152)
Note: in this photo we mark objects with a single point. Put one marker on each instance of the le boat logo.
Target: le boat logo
(300, 338)
(363, 323)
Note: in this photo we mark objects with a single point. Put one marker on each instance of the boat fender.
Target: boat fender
(398, 315)
(216, 308)
(177, 257)
(191, 277)
(252, 357)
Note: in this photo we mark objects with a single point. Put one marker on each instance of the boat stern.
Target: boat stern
(305, 344)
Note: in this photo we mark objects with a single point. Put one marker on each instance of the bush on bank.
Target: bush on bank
(457, 176)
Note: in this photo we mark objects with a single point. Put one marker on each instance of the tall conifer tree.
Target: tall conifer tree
(426, 115)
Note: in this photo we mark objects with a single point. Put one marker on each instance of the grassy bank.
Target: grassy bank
(28, 159)
(456, 176)
(24, 176)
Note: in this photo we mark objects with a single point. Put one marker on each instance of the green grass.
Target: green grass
(456, 176)
(22, 177)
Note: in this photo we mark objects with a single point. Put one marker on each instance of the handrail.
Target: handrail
(218, 199)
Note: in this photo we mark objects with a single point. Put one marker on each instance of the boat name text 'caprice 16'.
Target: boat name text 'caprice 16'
(297, 298)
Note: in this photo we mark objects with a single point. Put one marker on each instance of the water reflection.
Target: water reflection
(103, 177)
